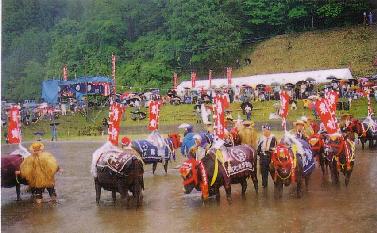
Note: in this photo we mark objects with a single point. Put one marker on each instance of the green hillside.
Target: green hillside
(354, 47)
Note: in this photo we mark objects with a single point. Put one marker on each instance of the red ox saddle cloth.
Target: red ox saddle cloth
(115, 160)
(240, 158)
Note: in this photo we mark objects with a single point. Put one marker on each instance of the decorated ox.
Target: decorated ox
(153, 154)
(366, 131)
(9, 165)
(214, 171)
(118, 170)
(291, 162)
(317, 143)
(340, 153)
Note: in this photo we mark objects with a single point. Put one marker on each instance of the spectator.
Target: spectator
(370, 18)
(105, 126)
(64, 109)
(248, 112)
(365, 20)
(54, 131)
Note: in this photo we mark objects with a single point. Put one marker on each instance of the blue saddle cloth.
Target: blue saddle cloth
(307, 158)
(189, 141)
(149, 152)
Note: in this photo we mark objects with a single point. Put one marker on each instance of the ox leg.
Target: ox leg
(98, 190)
(244, 187)
(299, 184)
(228, 191)
(114, 196)
(348, 177)
(255, 182)
(307, 179)
(217, 195)
(18, 192)
(154, 166)
(166, 167)
(322, 164)
(138, 193)
(278, 190)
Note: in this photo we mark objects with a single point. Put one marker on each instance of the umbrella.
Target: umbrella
(289, 85)
(275, 84)
(331, 78)
(184, 125)
(259, 86)
(310, 80)
(39, 133)
(313, 97)
(300, 82)
(54, 123)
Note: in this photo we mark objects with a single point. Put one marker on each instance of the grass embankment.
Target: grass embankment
(354, 47)
(78, 127)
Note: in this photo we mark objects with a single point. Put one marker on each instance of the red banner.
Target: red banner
(154, 115)
(14, 125)
(326, 116)
(284, 104)
(221, 103)
(210, 78)
(115, 117)
(175, 80)
(229, 75)
(113, 67)
(65, 73)
(193, 79)
(332, 98)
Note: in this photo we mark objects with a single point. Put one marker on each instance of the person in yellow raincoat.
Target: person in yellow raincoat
(248, 135)
(39, 170)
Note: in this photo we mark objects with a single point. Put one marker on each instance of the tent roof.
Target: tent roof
(282, 78)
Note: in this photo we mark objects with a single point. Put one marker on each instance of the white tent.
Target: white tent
(320, 76)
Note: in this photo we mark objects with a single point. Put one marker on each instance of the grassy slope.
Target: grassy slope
(337, 48)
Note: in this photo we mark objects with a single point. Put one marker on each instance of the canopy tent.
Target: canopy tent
(53, 89)
(267, 79)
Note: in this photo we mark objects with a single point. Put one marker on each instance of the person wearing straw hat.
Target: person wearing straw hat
(248, 134)
(39, 170)
(307, 126)
(266, 146)
(298, 130)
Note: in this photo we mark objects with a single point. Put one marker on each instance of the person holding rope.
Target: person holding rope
(266, 145)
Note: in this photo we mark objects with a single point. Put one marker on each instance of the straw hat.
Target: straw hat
(298, 122)
(36, 147)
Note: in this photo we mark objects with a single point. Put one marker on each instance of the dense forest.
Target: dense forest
(151, 38)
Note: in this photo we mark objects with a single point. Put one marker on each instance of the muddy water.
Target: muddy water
(324, 208)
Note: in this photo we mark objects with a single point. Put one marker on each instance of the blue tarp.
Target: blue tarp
(51, 88)
(50, 91)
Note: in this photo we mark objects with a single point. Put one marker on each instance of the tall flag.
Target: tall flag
(65, 73)
(193, 79)
(154, 115)
(14, 125)
(175, 80)
(370, 110)
(210, 78)
(284, 103)
(326, 115)
(229, 75)
(221, 103)
(113, 64)
(115, 117)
